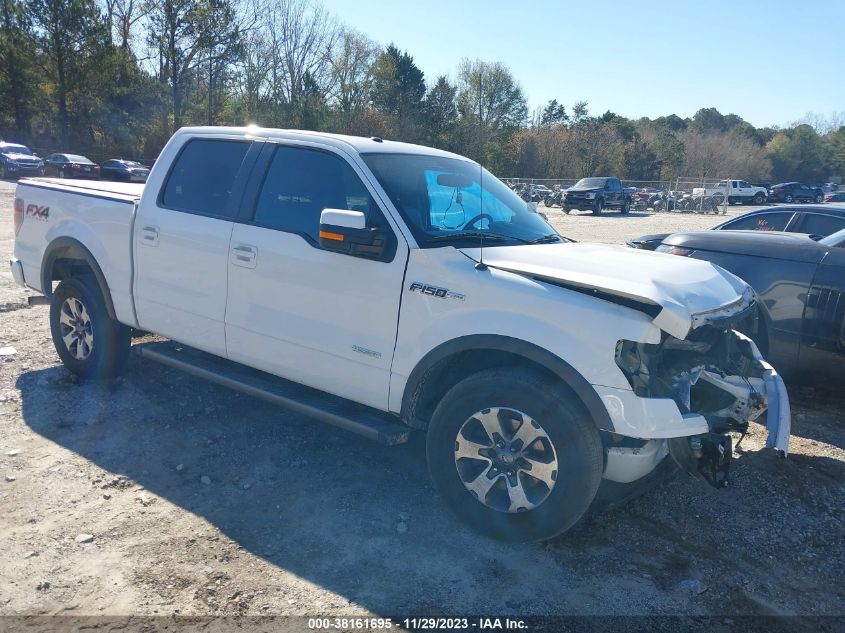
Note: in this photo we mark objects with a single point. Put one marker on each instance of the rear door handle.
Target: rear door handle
(149, 235)
(244, 255)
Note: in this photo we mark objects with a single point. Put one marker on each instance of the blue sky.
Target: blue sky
(636, 58)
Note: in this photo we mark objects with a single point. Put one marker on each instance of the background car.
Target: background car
(836, 196)
(18, 160)
(800, 283)
(71, 166)
(817, 221)
(124, 170)
(795, 192)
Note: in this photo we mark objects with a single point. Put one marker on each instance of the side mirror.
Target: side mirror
(344, 231)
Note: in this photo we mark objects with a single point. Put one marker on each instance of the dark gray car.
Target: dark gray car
(801, 287)
(813, 220)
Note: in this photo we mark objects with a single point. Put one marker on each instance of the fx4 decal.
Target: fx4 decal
(434, 291)
(39, 213)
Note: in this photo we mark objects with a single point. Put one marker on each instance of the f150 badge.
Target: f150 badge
(434, 291)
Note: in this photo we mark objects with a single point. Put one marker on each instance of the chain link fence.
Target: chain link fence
(681, 195)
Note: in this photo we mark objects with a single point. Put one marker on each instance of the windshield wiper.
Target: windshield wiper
(481, 235)
(548, 239)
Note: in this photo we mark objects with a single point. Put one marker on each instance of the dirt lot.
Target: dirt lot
(165, 495)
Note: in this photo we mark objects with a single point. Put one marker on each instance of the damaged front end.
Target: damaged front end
(717, 372)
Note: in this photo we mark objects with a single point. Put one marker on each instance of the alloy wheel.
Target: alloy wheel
(505, 459)
(76, 328)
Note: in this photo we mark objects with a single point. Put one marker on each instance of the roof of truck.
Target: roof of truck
(360, 144)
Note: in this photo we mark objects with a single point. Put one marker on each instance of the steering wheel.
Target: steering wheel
(477, 218)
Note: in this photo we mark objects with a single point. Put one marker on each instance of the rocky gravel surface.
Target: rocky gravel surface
(163, 494)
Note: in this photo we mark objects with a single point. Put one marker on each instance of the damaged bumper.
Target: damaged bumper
(718, 381)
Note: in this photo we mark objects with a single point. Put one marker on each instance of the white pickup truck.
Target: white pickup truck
(382, 287)
(735, 191)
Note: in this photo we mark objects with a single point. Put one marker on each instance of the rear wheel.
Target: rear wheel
(88, 341)
(788, 198)
(819, 199)
(62, 173)
(514, 454)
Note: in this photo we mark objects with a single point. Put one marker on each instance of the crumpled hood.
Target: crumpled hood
(685, 292)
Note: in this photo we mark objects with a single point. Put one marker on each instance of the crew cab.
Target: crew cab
(597, 194)
(735, 191)
(383, 287)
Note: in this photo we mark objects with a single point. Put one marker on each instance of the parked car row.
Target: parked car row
(18, 160)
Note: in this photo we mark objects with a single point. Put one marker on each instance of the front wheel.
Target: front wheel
(758, 199)
(88, 341)
(514, 454)
(598, 207)
(819, 199)
(626, 207)
(788, 198)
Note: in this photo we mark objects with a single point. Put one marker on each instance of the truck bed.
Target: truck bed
(119, 190)
(96, 216)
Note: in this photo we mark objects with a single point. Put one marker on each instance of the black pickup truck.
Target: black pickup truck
(597, 194)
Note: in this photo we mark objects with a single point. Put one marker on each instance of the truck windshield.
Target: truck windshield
(441, 197)
(15, 149)
(584, 183)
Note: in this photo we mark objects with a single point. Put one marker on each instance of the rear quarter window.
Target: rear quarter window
(203, 175)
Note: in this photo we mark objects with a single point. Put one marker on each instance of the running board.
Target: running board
(345, 414)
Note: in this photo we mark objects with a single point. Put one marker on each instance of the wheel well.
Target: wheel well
(449, 371)
(67, 258)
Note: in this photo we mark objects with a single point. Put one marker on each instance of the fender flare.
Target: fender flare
(529, 351)
(71, 248)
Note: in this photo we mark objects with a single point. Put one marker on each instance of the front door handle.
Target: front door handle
(149, 235)
(244, 255)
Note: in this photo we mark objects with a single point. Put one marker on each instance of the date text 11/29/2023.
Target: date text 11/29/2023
(417, 624)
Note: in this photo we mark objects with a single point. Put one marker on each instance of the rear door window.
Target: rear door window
(820, 224)
(203, 175)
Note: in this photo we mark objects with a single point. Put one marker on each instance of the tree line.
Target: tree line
(114, 78)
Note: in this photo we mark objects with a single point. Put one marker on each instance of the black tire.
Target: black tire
(573, 435)
(62, 173)
(758, 199)
(598, 207)
(626, 206)
(819, 199)
(788, 198)
(109, 340)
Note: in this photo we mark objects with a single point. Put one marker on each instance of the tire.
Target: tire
(97, 346)
(819, 199)
(62, 173)
(626, 207)
(758, 199)
(598, 207)
(788, 198)
(569, 438)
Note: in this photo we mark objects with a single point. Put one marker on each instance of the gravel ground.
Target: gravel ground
(162, 494)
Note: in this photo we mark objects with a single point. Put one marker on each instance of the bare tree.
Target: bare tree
(301, 35)
(352, 72)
